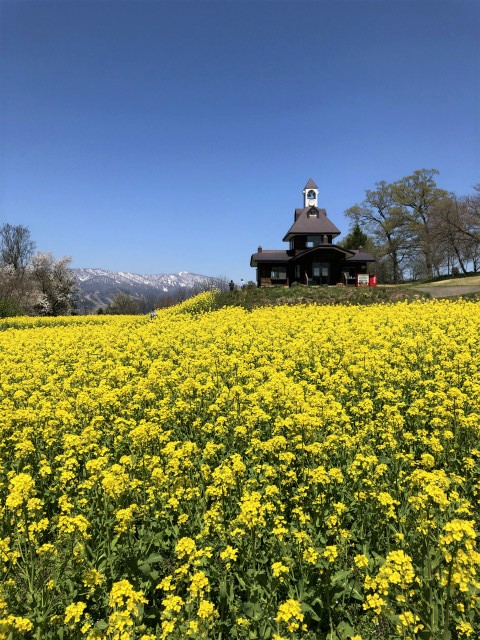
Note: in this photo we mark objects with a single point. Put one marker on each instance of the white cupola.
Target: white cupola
(310, 194)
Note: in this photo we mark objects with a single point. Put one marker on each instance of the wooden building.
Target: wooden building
(312, 257)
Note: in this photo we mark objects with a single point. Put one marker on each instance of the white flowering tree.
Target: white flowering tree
(54, 283)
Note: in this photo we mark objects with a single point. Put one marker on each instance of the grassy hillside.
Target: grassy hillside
(252, 297)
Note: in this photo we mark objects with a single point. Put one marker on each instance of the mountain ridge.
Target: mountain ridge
(97, 287)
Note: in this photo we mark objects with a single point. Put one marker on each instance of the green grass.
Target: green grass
(252, 297)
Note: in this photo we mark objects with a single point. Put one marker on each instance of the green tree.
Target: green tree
(123, 304)
(355, 238)
(10, 307)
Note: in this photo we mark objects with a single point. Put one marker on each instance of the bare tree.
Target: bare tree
(16, 247)
(455, 231)
(385, 221)
(418, 194)
(417, 226)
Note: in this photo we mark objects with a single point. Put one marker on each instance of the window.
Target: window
(279, 273)
(313, 241)
(321, 272)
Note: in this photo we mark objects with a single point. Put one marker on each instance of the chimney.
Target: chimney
(259, 250)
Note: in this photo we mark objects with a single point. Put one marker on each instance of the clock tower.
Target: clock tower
(310, 194)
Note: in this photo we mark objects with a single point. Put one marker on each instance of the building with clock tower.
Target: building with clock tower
(312, 257)
(310, 194)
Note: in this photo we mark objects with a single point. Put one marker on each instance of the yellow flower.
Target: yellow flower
(92, 578)
(206, 610)
(290, 612)
(17, 623)
(199, 583)
(279, 570)
(22, 487)
(172, 603)
(243, 622)
(74, 612)
(123, 596)
(331, 553)
(229, 554)
(186, 548)
(465, 629)
(361, 561)
(310, 555)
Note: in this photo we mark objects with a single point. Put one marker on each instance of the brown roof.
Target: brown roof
(299, 211)
(311, 225)
(311, 185)
(277, 256)
(361, 256)
(270, 255)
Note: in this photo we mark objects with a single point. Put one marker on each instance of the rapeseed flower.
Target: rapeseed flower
(214, 454)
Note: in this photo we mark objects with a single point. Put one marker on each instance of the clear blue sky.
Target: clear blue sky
(160, 136)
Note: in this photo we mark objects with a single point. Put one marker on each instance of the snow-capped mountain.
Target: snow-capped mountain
(97, 287)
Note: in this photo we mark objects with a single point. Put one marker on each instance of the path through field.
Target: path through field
(450, 288)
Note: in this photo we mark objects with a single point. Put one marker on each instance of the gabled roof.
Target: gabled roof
(306, 223)
(321, 248)
(276, 256)
(310, 185)
(270, 255)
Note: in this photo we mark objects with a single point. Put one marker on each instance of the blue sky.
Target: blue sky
(160, 136)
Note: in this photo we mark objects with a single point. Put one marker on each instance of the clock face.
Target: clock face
(311, 203)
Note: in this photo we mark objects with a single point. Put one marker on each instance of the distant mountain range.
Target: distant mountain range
(97, 287)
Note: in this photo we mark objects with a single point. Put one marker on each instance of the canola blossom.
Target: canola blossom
(290, 472)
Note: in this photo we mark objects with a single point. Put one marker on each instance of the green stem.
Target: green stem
(449, 597)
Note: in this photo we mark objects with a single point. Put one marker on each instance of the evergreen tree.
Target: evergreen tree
(355, 239)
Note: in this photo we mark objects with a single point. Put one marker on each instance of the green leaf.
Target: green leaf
(354, 593)
(154, 557)
(344, 630)
(241, 581)
(101, 624)
(308, 609)
(340, 576)
(253, 610)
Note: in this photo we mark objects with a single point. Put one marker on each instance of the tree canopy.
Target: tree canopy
(419, 229)
(32, 283)
(16, 247)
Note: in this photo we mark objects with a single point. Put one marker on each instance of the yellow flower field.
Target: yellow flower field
(291, 472)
